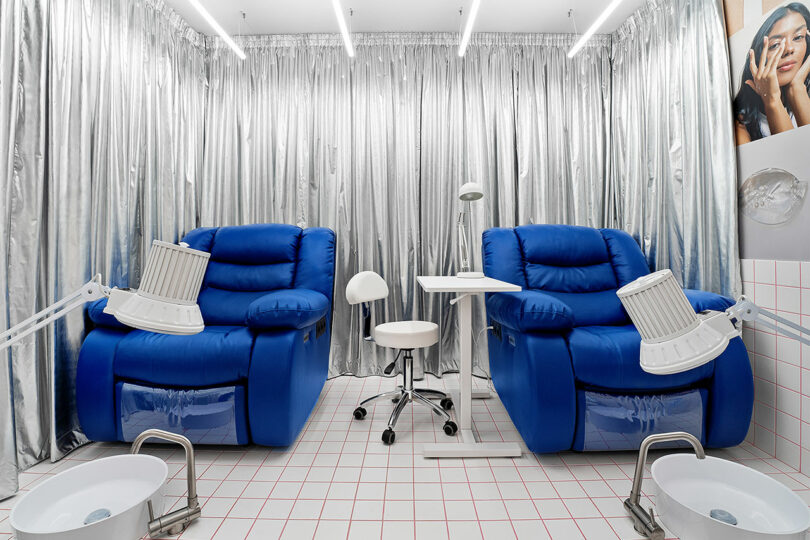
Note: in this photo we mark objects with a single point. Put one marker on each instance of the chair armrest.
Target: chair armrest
(530, 311)
(703, 300)
(287, 308)
(95, 311)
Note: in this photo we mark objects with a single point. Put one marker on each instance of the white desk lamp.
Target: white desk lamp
(165, 302)
(469, 192)
(674, 338)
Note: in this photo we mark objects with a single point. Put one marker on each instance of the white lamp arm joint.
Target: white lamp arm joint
(92, 290)
(746, 310)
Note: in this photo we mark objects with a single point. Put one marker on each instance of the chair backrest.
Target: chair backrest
(581, 266)
(366, 287)
(248, 261)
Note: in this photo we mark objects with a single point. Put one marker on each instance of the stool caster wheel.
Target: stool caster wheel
(388, 436)
(395, 400)
(446, 403)
(359, 413)
(450, 428)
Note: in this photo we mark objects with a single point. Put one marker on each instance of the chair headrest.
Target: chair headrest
(366, 287)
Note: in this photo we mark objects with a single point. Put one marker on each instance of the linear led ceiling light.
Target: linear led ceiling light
(594, 27)
(344, 29)
(217, 28)
(465, 37)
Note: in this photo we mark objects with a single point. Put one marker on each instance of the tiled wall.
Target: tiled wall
(781, 423)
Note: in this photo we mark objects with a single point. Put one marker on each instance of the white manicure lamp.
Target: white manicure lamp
(469, 192)
(165, 302)
(674, 338)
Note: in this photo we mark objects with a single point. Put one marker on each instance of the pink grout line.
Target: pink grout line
(534, 504)
(345, 439)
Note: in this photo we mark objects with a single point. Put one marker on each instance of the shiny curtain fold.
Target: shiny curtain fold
(102, 107)
(127, 88)
(377, 146)
(24, 369)
(674, 176)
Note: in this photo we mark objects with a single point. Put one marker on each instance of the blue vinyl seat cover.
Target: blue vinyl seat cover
(530, 311)
(218, 355)
(704, 300)
(607, 357)
(95, 311)
(575, 266)
(287, 308)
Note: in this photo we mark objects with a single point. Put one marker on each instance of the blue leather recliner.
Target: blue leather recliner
(564, 355)
(256, 371)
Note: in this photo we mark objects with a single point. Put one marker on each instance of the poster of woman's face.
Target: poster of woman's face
(773, 89)
(769, 49)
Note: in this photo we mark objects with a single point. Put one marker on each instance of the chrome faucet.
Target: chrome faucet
(644, 522)
(177, 521)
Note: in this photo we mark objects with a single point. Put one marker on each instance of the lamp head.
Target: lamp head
(470, 191)
(673, 337)
(166, 300)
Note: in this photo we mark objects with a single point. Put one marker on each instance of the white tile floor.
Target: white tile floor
(339, 481)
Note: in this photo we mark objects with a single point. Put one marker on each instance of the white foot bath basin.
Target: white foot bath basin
(99, 500)
(715, 499)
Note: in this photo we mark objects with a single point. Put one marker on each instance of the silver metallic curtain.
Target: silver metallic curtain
(674, 167)
(24, 394)
(105, 103)
(377, 146)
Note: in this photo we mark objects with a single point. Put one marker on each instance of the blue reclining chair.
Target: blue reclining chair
(256, 371)
(564, 355)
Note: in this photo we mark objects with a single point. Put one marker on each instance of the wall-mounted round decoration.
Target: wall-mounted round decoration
(772, 196)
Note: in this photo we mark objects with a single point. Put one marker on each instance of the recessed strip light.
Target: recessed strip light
(217, 28)
(594, 27)
(344, 30)
(465, 37)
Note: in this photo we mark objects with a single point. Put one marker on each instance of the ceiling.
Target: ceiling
(314, 16)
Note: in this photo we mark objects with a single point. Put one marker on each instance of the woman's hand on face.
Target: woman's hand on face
(764, 80)
(800, 78)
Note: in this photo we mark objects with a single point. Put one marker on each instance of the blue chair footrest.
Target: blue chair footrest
(621, 422)
(206, 416)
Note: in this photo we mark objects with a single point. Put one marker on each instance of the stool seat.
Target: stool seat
(406, 334)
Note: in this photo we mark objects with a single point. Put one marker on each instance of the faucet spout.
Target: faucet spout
(177, 521)
(645, 522)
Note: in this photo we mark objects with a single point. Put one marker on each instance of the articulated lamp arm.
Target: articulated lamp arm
(746, 310)
(92, 290)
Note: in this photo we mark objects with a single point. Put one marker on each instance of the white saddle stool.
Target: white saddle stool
(405, 336)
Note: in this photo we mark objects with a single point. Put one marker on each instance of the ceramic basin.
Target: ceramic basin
(98, 500)
(688, 491)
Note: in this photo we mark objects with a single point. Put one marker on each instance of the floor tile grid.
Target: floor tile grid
(571, 463)
(298, 441)
(552, 485)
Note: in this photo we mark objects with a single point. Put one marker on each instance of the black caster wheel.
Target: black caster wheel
(450, 428)
(446, 403)
(395, 400)
(388, 436)
(359, 413)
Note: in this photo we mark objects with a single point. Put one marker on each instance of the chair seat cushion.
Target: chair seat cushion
(607, 357)
(215, 356)
(406, 334)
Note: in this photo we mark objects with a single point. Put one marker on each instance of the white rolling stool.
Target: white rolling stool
(405, 336)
